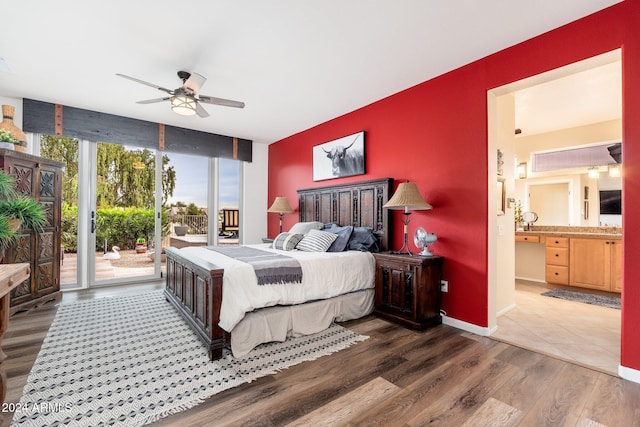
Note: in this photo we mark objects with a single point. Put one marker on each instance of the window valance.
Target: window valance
(54, 119)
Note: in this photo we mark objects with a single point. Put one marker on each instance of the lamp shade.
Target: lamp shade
(407, 196)
(183, 105)
(280, 205)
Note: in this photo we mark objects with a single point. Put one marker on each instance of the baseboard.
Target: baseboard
(506, 309)
(629, 374)
(528, 279)
(469, 327)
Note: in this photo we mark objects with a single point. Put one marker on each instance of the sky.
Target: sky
(191, 180)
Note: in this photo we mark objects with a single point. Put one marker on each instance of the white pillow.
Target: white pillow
(304, 227)
(316, 241)
(286, 241)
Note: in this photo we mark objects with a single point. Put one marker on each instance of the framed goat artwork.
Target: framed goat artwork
(338, 158)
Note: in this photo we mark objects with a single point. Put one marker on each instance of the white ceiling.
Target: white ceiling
(294, 63)
(589, 96)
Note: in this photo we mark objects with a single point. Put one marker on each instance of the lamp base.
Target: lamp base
(404, 250)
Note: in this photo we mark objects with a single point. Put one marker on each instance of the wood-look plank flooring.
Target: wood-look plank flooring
(398, 377)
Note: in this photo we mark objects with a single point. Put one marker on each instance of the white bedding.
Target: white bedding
(324, 275)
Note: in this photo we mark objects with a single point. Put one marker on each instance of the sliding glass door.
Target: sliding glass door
(124, 214)
(122, 205)
(111, 215)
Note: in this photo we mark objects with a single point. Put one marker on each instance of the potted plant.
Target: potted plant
(10, 133)
(16, 211)
(7, 140)
(141, 245)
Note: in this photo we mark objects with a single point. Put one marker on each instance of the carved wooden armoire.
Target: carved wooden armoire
(40, 179)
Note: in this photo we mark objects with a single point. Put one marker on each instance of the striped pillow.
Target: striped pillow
(316, 241)
(287, 241)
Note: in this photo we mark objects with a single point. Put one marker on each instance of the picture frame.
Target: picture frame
(502, 195)
(500, 162)
(339, 158)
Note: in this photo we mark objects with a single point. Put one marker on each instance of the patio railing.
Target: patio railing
(197, 223)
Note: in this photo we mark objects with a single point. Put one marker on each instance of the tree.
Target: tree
(64, 150)
(192, 209)
(126, 177)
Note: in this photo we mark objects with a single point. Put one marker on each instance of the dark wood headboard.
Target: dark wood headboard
(357, 203)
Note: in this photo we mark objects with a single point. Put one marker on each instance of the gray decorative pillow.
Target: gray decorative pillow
(287, 241)
(363, 239)
(343, 233)
(316, 241)
(304, 227)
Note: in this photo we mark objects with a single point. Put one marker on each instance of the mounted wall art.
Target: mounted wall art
(340, 157)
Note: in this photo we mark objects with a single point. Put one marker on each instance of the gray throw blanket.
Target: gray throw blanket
(270, 268)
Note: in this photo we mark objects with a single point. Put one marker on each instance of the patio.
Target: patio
(130, 264)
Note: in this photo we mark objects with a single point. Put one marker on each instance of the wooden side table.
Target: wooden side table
(11, 275)
(408, 289)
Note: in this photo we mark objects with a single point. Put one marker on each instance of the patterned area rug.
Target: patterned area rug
(602, 300)
(132, 360)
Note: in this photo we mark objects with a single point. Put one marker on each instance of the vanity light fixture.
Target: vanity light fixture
(593, 172)
(522, 170)
(614, 171)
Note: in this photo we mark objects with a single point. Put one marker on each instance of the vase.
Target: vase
(14, 224)
(181, 230)
(8, 125)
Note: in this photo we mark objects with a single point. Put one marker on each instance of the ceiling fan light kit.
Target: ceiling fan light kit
(185, 99)
(183, 105)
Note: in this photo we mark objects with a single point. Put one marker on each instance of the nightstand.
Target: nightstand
(408, 289)
(267, 240)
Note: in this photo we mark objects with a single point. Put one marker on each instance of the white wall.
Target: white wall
(505, 274)
(254, 201)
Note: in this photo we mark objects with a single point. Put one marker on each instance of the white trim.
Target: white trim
(469, 327)
(529, 279)
(629, 374)
(213, 204)
(506, 309)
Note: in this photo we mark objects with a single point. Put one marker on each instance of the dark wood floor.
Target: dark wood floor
(442, 376)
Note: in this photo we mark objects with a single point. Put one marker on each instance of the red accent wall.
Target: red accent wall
(435, 134)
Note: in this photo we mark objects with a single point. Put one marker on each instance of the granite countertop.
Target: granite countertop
(573, 231)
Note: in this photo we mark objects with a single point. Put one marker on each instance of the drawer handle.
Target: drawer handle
(557, 242)
(526, 238)
(557, 254)
(556, 273)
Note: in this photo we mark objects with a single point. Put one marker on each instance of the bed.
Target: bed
(247, 313)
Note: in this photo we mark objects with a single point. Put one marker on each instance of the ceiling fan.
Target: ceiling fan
(185, 100)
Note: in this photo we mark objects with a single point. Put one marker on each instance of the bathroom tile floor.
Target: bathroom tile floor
(585, 334)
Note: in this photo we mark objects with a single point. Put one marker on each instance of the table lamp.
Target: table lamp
(407, 197)
(280, 206)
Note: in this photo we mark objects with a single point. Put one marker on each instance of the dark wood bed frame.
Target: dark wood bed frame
(195, 290)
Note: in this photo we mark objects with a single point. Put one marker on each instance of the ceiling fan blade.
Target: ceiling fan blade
(201, 111)
(151, 101)
(169, 91)
(221, 101)
(194, 82)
